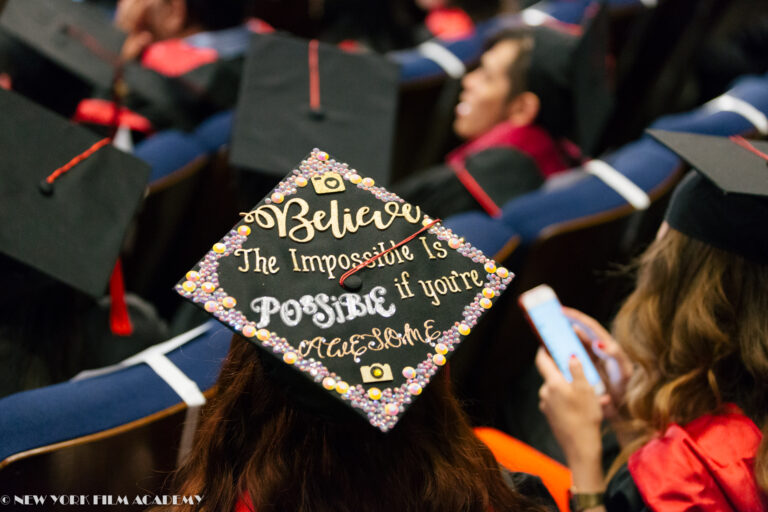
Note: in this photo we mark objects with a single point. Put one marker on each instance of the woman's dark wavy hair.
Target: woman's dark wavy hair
(255, 441)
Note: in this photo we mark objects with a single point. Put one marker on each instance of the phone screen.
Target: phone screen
(561, 341)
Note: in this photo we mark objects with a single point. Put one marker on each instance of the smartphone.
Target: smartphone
(545, 313)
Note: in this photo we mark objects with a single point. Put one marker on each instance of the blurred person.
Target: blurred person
(690, 354)
(512, 112)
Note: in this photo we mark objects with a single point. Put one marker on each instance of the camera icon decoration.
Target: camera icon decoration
(328, 183)
(376, 373)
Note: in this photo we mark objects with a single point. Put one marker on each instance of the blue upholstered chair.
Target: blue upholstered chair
(118, 431)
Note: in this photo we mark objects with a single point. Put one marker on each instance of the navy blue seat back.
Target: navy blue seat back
(73, 433)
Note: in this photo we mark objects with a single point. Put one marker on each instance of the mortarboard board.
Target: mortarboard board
(297, 94)
(361, 295)
(569, 74)
(66, 197)
(79, 38)
(725, 203)
(72, 34)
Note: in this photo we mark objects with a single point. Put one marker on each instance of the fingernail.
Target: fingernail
(573, 357)
(600, 345)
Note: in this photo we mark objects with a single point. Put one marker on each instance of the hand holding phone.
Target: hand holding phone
(545, 313)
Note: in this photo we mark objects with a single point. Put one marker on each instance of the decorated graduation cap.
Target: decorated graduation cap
(360, 294)
(296, 94)
(569, 74)
(725, 203)
(78, 38)
(66, 195)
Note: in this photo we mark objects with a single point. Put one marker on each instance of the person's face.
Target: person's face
(161, 18)
(484, 100)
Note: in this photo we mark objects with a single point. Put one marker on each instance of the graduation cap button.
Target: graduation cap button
(46, 187)
(353, 283)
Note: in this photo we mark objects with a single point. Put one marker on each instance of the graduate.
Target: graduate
(67, 198)
(333, 395)
(689, 350)
(529, 92)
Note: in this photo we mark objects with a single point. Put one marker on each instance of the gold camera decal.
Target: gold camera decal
(328, 183)
(376, 373)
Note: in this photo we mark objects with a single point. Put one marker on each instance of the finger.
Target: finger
(577, 371)
(589, 322)
(547, 367)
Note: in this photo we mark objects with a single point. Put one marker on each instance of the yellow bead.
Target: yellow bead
(355, 178)
(322, 155)
(189, 286)
(409, 372)
(374, 393)
(301, 181)
(490, 267)
(228, 302)
(244, 230)
(211, 306)
(290, 357)
(441, 348)
(277, 197)
(426, 221)
(329, 383)
(486, 303)
(262, 334)
(464, 329)
(414, 389)
(439, 359)
(502, 272)
(391, 409)
(488, 293)
(342, 387)
(208, 287)
(368, 182)
(219, 248)
(249, 331)
(193, 275)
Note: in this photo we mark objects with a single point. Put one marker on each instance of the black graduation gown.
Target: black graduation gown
(503, 174)
(622, 494)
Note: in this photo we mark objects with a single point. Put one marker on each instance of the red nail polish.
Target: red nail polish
(573, 357)
(601, 345)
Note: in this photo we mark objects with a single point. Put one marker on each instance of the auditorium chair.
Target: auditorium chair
(117, 431)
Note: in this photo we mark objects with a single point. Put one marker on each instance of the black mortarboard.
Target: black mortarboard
(374, 342)
(569, 75)
(79, 38)
(725, 203)
(66, 197)
(297, 94)
(73, 35)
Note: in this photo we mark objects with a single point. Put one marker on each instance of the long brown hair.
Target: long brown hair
(697, 328)
(255, 440)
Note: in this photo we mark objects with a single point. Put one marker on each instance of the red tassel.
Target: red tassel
(119, 321)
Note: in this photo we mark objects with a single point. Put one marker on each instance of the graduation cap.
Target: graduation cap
(66, 196)
(725, 203)
(570, 76)
(360, 294)
(296, 94)
(73, 35)
(78, 38)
